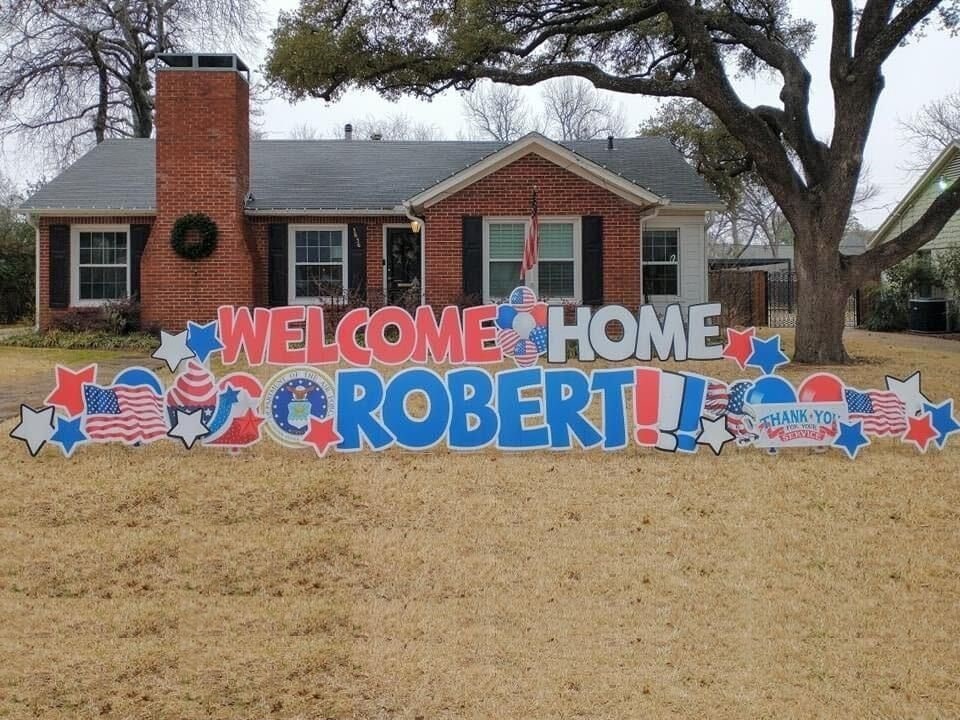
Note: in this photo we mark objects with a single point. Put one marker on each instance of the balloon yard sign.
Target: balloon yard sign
(326, 394)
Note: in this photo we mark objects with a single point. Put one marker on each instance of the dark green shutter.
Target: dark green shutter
(473, 256)
(59, 266)
(357, 259)
(138, 243)
(591, 250)
(277, 244)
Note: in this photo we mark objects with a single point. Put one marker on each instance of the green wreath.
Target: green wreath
(202, 225)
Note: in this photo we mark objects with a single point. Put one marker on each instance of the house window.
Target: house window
(556, 276)
(318, 268)
(102, 270)
(661, 262)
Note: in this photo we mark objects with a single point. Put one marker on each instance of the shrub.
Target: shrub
(16, 271)
(948, 269)
(118, 317)
(888, 308)
(83, 340)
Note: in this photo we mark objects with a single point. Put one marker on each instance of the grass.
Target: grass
(158, 583)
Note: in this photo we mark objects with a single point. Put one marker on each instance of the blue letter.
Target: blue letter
(512, 408)
(355, 410)
(610, 383)
(566, 396)
(410, 432)
(463, 408)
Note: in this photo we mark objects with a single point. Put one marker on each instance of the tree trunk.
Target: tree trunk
(822, 292)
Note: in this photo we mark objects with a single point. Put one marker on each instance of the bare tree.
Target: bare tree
(304, 131)
(497, 112)
(73, 73)
(933, 128)
(395, 127)
(575, 110)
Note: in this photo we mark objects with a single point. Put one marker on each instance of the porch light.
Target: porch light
(414, 226)
(943, 183)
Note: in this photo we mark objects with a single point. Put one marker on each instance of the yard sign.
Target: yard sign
(504, 384)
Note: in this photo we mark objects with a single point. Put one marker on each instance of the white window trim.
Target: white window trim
(677, 263)
(75, 231)
(292, 230)
(533, 276)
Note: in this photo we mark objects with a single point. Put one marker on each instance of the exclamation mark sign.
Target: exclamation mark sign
(694, 396)
(646, 405)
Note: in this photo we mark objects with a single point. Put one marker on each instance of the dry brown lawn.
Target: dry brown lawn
(157, 583)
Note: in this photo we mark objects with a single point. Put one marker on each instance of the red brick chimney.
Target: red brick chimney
(203, 166)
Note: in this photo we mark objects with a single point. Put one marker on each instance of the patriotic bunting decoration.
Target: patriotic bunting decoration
(520, 405)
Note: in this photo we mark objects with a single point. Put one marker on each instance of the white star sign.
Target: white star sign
(909, 392)
(714, 433)
(189, 427)
(35, 428)
(173, 349)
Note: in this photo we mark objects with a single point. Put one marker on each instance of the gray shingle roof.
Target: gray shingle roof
(337, 174)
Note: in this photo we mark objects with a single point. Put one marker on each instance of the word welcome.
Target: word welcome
(298, 335)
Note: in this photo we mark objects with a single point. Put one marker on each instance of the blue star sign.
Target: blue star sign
(943, 421)
(766, 354)
(202, 339)
(68, 434)
(851, 438)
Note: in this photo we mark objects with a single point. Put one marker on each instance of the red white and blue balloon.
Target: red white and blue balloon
(522, 327)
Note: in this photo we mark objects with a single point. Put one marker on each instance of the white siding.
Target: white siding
(950, 235)
(693, 259)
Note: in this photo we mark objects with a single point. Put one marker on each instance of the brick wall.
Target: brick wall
(203, 165)
(46, 313)
(559, 192)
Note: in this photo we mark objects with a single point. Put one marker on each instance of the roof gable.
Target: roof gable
(549, 150)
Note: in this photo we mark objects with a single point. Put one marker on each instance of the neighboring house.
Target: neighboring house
(937, 178)
(621, 221)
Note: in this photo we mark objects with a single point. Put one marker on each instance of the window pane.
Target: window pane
(330, 246)
(84, 248)
(555, 279)
(318, 280)
(306, 246)
(504, 277)
(660, 246)
(506, 241)
(556, 241)
(660, 280)
(103, 283)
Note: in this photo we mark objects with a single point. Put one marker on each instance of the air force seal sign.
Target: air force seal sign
(291, 398)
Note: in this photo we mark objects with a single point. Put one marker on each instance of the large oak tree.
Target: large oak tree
(666, 48)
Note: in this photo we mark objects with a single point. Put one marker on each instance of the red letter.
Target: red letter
(387, 352)
(443, 340)
(318, 351)
(282, 335)
(350, 323)
(479, 340)
(239, 331)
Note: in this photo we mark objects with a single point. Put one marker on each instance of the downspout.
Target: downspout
(32, 221)
(408, 209)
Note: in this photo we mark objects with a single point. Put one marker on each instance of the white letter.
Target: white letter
(608, 349)
(558, 333)
(698, 331)
(669, 336)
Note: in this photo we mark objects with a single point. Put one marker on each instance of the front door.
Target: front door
(403, 267)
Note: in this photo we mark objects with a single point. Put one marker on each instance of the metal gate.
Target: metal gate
(782, 301)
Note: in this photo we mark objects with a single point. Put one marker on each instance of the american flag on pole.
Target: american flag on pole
(124, 413)
(530, 245)
(881, 411)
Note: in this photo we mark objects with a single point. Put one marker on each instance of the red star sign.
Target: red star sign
(68, 394)
(738, 347)
(249, 424)
(920, 432)
(321, 434)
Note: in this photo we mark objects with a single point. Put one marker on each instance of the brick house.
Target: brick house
(621, 220)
